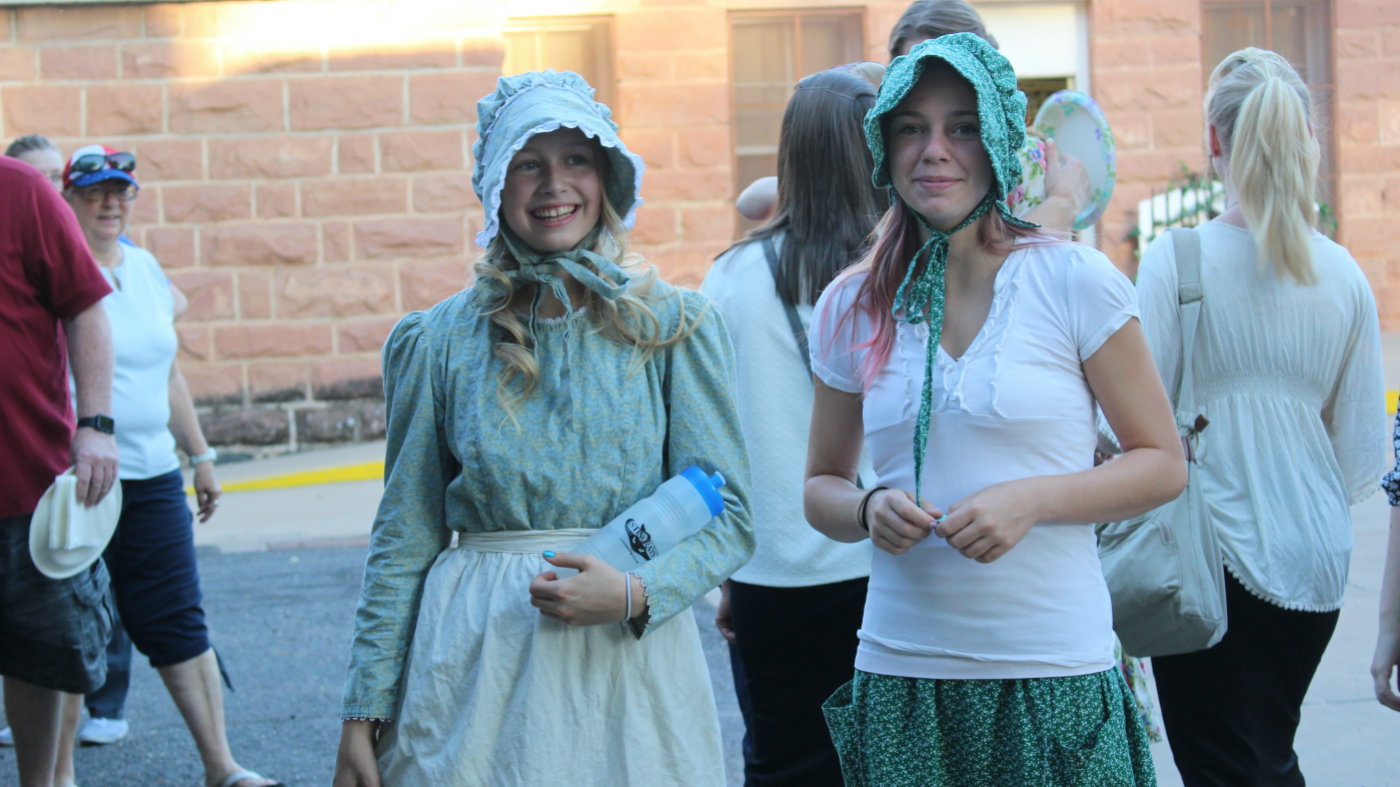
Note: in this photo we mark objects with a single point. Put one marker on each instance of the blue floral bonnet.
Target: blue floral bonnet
(538, 102)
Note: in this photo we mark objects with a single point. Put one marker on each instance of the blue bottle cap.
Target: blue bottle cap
(708, 487)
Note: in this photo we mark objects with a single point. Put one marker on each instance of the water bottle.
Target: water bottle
(654, 524)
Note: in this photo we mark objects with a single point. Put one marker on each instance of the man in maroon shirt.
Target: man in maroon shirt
(52, 632)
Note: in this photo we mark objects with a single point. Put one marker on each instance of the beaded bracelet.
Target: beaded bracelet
(865, 501)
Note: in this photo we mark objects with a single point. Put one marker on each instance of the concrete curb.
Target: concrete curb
(369, 471)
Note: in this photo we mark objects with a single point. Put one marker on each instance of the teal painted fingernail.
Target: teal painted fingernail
(549, 553)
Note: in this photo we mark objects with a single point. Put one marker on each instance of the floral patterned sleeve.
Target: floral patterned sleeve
(1391, 481)
(409, 528)
(703, 430)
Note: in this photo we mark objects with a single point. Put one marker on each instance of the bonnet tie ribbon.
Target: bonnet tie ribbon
(920, 298)
(543, 269)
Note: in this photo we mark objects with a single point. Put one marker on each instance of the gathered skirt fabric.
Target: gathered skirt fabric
(497, 694)
(1081, 731)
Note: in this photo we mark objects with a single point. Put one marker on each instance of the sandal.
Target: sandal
(238, 776)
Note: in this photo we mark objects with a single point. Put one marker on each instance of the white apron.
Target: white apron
(497, 694)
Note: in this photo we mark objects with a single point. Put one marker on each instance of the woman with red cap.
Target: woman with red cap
(155, 577)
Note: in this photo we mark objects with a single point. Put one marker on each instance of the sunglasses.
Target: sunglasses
(96, 162)
(98, 193)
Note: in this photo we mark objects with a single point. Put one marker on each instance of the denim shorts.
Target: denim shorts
(53, 632)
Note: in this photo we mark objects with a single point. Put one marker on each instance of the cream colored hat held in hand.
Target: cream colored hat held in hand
(66, 536)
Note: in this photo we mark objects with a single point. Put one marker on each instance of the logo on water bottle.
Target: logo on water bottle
(639, 540)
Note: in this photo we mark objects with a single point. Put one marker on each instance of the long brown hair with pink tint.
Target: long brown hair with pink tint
(896, 241)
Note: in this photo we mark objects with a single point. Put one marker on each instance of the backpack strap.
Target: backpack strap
(1190, 295)
(799, 331)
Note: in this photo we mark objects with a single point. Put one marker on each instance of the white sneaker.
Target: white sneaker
(98, 731)
(7, 737)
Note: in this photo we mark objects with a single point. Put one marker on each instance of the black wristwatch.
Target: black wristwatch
(102, 423)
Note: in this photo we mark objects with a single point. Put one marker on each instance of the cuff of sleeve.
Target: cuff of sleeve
(1106, 332)
(834, 380)
(639, 625)
(1391, 484)
(366, 711)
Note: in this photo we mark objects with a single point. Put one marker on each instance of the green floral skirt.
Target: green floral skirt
(1037, 732)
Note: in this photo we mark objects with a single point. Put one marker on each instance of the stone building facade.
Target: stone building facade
(305, 163)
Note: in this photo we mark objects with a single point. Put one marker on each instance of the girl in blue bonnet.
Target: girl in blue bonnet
(524, 412)
(986, 652)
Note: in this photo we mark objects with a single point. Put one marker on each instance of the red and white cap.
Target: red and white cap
(108, 171)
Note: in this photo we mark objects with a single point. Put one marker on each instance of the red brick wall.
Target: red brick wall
(673, 105)
(303, 201)
(306, 197)
(1367, 47)
(1145, 58)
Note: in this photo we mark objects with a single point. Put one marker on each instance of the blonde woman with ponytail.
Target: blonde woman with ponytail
(523, 413)
(1288, 370)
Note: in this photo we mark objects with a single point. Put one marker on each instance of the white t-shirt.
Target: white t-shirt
(142, 313)
(1015, 405)
(774, 397)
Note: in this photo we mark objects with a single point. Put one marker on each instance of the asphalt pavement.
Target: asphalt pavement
(280, 619)
(281, 570)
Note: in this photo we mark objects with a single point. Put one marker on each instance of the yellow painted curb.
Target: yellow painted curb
(365, 471)
(371, 471)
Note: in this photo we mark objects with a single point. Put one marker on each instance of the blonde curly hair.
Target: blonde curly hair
(629, 320)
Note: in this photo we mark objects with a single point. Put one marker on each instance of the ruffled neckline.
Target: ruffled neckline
(555, 323)
(990, 338)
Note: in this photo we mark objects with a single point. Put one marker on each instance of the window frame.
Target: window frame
(856, 14)
(1324, 115)
(606, 87)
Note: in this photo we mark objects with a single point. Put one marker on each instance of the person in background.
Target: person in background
(986, 650)
(38, 152)
(1386, 663)
(793, 610)
(1288, 364)
(523, 413)
(925, 19)
(155, 574)
(53, 632)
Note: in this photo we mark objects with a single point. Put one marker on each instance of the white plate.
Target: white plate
(1080, 129)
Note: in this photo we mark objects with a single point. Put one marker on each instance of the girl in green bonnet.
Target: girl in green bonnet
(986, 651)
(523, 413)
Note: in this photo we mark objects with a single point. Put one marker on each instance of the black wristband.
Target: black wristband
(865, 501)
(102, 423)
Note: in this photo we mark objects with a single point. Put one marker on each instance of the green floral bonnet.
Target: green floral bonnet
(1001, 111)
